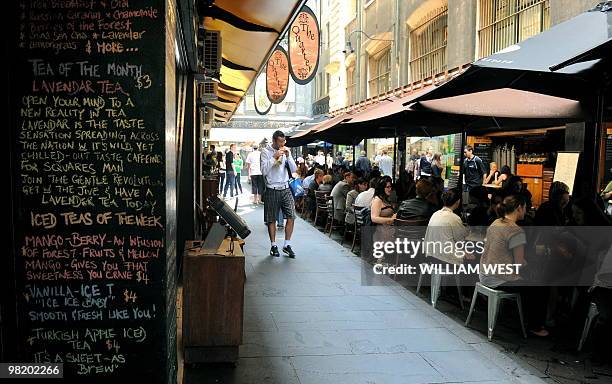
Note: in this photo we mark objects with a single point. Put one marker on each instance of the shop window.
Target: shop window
(502, 23)
(428, 45)
(380, 74)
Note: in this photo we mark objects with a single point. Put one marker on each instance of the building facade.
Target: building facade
(370, 47)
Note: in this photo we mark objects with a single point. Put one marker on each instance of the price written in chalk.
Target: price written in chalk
(129, 296)
(143, 82)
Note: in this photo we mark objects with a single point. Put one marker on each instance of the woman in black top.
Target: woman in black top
(436, 165)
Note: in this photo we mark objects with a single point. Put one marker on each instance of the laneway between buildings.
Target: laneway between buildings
(310, 320)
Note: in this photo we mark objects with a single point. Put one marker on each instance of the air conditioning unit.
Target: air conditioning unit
(207, 91)
(209, 54)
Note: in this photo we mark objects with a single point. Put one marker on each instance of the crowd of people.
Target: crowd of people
(502, 215)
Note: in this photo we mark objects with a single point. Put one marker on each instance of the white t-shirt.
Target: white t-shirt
(385, 163)
(320, 159)
(364, 199)
(254, 162)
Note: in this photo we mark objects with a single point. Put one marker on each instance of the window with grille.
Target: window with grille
(350, 85)
(380, 79)
(428, 45)
(502, 23)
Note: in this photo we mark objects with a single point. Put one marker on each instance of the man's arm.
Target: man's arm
(292, 165)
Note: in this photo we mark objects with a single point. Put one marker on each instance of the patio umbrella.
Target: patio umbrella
(569, 60)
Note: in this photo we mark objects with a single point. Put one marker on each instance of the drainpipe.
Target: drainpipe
(396, 41)
(360, 11)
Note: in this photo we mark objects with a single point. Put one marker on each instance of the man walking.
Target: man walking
(363, 164)
(254, 168)
(230, 172)
(425, 164)
(276, 165)
(385, 163)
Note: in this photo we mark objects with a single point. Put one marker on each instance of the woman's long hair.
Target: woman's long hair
(380, 188)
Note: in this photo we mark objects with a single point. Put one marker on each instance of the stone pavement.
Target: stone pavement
(310, 320)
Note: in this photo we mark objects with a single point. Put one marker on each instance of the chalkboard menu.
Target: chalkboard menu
(89, 187)
(482, 148)
(608, 164)
(453, 181)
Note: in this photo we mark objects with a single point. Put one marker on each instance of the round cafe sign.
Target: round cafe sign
(304, 46)
(277, 75)
(262, 103)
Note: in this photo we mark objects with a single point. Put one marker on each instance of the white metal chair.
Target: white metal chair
(494, 298)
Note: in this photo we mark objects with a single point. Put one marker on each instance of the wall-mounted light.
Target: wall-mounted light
(349, 47)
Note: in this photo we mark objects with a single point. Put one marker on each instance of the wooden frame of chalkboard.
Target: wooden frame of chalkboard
(93, 168)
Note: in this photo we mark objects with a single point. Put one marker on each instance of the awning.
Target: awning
(250, 29)
(569, 60)
(507, 102)
(308, 135)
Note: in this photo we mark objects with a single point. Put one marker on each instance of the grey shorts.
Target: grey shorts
(275, 200)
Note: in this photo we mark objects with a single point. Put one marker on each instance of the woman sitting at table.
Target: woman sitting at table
(493, 175)
(504, 174)
(505, 244)
(382, 209)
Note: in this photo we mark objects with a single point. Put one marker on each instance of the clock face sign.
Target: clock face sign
(277, 75)
(262, 103)
(304, 39)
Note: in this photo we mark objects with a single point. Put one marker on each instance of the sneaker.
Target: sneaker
(274, 251)
(280, 226)
(289, 252)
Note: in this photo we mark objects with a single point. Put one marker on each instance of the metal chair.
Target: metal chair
(494, 298)
(591, 315)
(413, 230)
(321, 204)
(331, 217)
(360, 217)
(303, 207)
(348, 228)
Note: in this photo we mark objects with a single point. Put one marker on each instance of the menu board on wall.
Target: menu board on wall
(565, 169)
(87, 98)
(453, 180)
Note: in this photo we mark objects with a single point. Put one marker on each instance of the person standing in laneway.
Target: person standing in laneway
(277, 165)
(425, 163)
(238, 163)
(320, 158)
(254, 172)
(437, 167)
(473, 169)
(221, 164)
(363, 164)
(385, 163)
(230, 172)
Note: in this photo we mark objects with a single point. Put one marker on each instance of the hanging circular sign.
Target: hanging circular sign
(262, 103)
(304, 39)
(277, 75)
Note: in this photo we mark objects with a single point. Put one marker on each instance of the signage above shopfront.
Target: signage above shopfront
(277, 75)
(304, 38)
(261, 101)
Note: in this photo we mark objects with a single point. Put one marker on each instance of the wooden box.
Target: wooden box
(213, 303)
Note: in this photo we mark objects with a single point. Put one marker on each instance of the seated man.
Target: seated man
(311, 202)
(364, 199)
(338, 193)
(419, 207)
